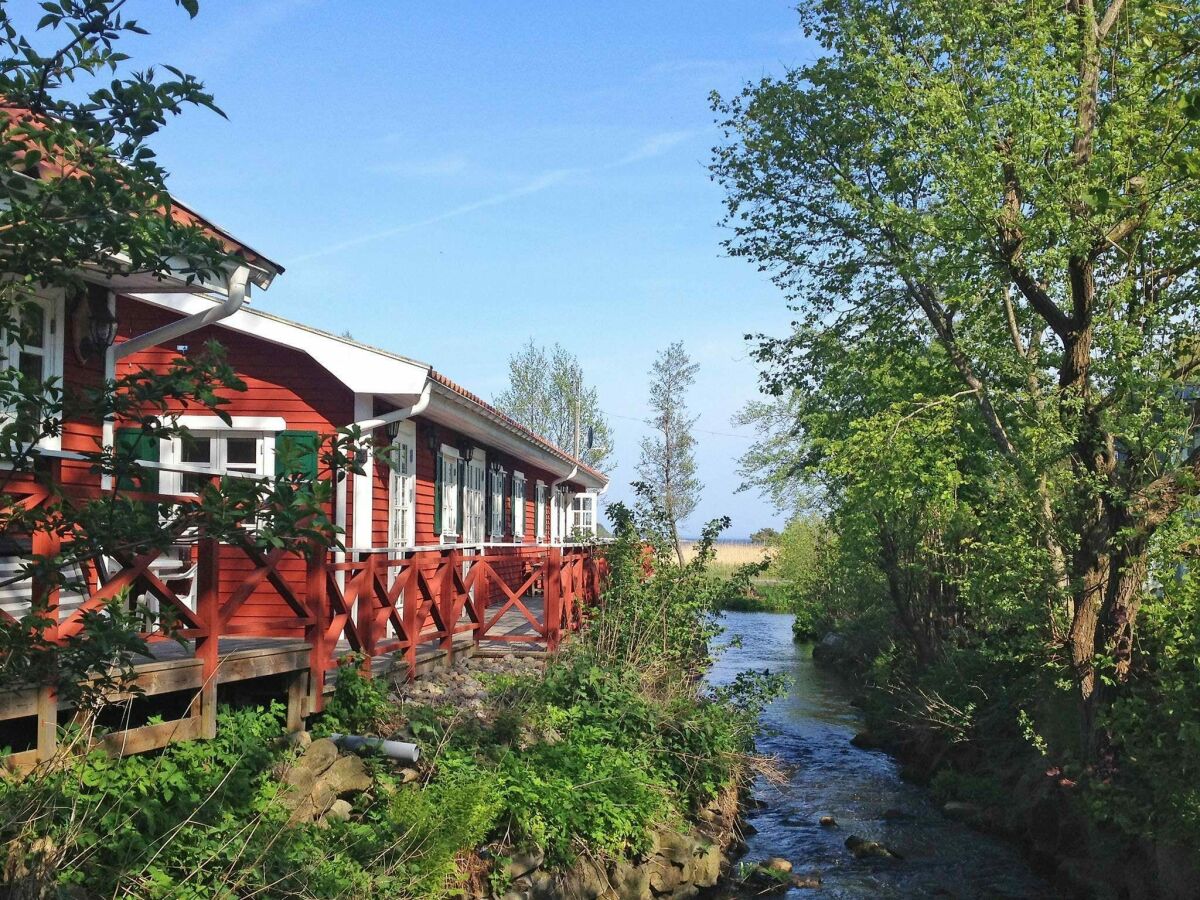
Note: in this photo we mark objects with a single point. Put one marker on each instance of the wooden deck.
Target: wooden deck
(406, 615)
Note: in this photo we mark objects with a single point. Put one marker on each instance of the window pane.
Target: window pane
(197, 451)
(33, 326)
(30, 365)
(240, 451)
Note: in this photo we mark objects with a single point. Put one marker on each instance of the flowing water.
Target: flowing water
(809, 731)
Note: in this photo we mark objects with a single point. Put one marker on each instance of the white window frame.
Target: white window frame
(402, 488)
(560, 505)
(170, 452)
(539, 508)
(53, 304)
(474, 493)
(496, 475)
(450, 488)
(577, 513)
(518, 511)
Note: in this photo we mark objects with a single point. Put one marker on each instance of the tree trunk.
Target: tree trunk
(1106, 605)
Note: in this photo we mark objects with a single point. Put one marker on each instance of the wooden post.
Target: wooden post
(480, 593)
(447, 601)
(553, 602)
(44, 597)
(410, 614)
(317, 598)
(296, 700)
(208, 611)
(568, 591)
(366, 612)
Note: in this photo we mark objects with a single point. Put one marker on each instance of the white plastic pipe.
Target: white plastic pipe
(235, 298)
(397, 750)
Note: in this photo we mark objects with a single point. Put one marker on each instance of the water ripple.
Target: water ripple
(809, 731)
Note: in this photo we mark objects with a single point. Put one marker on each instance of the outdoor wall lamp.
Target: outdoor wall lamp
(431, 437)
(392, 430)
(94, 325)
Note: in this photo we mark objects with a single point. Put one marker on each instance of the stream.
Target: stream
(809, 731)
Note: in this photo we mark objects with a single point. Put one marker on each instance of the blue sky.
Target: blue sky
(449, 179)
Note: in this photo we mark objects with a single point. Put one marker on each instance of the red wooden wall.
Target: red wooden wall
(280, 382)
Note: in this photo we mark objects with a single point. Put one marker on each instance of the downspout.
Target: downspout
(398, 415)
(235, 298)
(368, 425)
(554, 493)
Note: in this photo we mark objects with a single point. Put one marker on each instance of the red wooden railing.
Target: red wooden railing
(386, 602)
(378, 603)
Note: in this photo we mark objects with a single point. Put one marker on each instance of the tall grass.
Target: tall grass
(728, 556)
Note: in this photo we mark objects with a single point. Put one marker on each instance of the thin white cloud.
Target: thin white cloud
(656, 145)
(705, 67)
(438, 167)
(540, 183)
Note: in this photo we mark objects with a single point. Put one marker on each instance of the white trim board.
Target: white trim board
(237, 423)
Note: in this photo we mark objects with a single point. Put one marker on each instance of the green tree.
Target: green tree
(547, 393)
(82, 200)
(1018, 186)
(766, 535)
(668, 461)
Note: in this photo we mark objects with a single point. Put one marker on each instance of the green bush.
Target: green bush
(358, 704)
(620, 735)
(199, 820)
(597, 760)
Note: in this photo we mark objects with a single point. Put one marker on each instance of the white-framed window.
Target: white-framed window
(539, 513)
(37, 351)
(518, 510)
(561, 511)
(448, 484)
(473, 499)
(402, 488)
(219, 452)
(583, 514)
(496, 496)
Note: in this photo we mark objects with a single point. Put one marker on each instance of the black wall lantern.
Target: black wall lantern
(93, 322)
(431, 438)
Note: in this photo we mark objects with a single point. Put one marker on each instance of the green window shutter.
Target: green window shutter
(296, 454)
(512, 517)
(136, 444)
(437, 497)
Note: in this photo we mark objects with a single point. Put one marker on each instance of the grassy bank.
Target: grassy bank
(616, 738)
(985, 728)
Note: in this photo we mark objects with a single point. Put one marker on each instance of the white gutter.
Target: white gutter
(235, 299)
(398, 415)
(238, 288)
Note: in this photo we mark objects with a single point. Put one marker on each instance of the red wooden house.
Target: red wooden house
(471, 533)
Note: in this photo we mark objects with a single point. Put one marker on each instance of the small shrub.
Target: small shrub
(358, 705)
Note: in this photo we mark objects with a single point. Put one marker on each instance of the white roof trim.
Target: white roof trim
(237, 423)
(362, 369)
